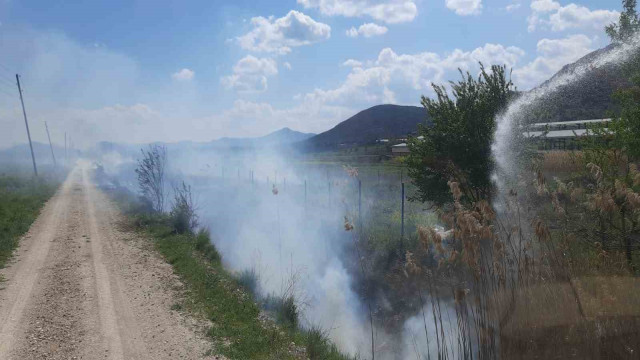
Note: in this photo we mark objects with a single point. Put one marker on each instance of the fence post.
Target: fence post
(360, 202)
(402, 222)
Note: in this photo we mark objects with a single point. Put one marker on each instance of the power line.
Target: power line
(6, 68)
(7, 80)
(6, 83)
(6, 93)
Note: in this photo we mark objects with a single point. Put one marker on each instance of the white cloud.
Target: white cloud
(250, 74)
(389, 11)
(465, 7)
(544, 6)
(390, 78)
(352, 63)
(367, 30)
(280, 35)
(287, 65)
(403, 77)
(550, 14)
(553, 54)
(513, 6)
(353, 32)
(183, 75)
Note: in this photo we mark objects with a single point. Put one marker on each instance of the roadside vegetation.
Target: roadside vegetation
(243, 324)
(547, 267)
(21, 198)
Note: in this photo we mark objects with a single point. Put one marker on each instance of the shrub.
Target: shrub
(183, 215)
(249, 280)
(288, 312)
(284, 309)
(150, 172)
(206, 247)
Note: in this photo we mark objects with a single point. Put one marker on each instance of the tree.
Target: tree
(617, 143)
(628, 24)
(457, 145)
(611, 150)
(151, 175)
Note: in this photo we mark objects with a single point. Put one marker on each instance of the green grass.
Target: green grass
(237, 331)
(21, 199)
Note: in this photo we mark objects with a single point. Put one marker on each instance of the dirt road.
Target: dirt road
(82, 288)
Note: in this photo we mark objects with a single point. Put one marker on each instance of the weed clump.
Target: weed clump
(183, 213)
(204, 245)
(249, 280)
(284, 309)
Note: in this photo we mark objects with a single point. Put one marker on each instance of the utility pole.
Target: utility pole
(50, 145)
(26, 123)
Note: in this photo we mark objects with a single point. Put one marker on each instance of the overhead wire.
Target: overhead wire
(7, 82)
(5, 67)
(8, 87)
(7, 92)
(7, 79)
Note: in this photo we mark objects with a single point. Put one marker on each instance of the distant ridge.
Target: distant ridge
(367, 126)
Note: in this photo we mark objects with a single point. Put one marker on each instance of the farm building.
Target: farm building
(400, 149)
(560, 135)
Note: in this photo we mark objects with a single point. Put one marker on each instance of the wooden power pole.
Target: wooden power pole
(26, 123)
(50, 145)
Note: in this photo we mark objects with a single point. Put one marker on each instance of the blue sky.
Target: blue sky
(139, 71)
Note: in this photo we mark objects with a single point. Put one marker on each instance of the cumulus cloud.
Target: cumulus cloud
(465, 7)
(544, 6)
(250, 74)
(352, 63)
(396, 77)
(389, 11)
(553, 54)
(550, 14)
(367, 30)
(183, 75)
(281, 34)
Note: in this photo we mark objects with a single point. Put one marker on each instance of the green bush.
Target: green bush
(249, 280)
(204, 245)
(183, 213)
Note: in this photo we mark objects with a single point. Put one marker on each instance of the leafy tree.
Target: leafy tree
(457, 145)
(617, 143)
(628, 24)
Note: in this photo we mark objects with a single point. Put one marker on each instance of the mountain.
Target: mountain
(588, 97)
(282, 137)
(367, 126)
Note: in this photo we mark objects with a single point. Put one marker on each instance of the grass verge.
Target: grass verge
(21, 199)
(238, 330)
